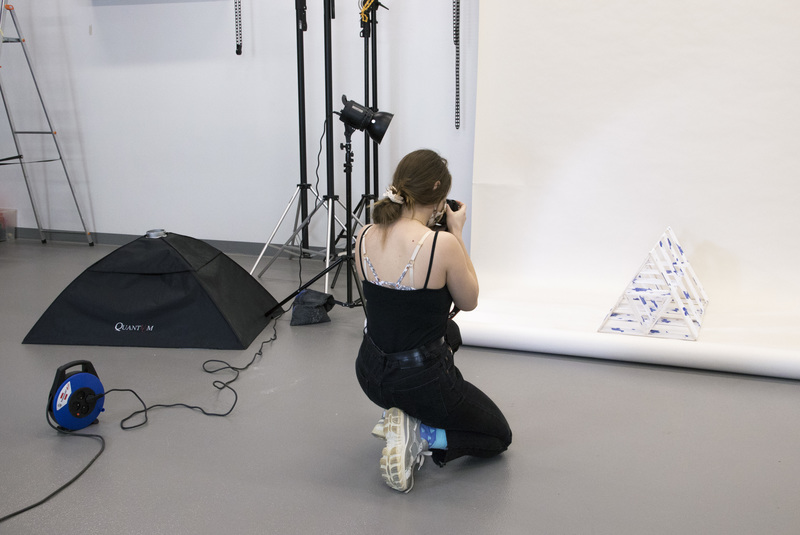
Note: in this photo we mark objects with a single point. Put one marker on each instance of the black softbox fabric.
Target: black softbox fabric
(170, 291)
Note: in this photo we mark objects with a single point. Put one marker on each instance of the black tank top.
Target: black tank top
(399, 320)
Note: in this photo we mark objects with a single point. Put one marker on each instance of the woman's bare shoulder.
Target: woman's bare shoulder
(447, 241)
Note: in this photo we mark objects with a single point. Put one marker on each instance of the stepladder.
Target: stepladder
(45, 135)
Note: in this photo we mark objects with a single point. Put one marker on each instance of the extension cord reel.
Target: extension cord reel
(76, 397)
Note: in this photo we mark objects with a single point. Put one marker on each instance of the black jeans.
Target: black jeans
(435, 392)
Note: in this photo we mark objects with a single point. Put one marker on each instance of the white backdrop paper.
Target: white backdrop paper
(601, 124)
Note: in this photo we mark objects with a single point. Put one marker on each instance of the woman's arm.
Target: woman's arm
(462, 281)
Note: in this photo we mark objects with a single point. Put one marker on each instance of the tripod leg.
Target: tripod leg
(297, 231)
(275, 231)
(319, 275)
(297, 219)
(355, 216)
(351, 264)
(337, 264)
(328, 239)
(336, 276)
(335, 217)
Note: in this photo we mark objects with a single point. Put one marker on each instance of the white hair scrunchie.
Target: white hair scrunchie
(391, 194)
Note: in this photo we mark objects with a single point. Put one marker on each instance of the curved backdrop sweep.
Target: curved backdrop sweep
(599, 125)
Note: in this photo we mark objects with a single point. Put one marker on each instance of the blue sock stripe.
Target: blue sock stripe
(427, 433)
(435, 437)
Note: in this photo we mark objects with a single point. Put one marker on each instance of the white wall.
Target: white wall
(164, 126)
(602, 123)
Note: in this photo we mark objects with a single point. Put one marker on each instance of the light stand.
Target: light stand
(372, 37)
(348, 172)
(371, 180)
(355, 117)
(302, 26)
(303, 186)
(302, 217)
(329, 13)
(348, 258)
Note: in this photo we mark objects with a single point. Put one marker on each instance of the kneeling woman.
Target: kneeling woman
(412, 276)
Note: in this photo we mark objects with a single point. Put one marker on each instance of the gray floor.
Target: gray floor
(599, 447)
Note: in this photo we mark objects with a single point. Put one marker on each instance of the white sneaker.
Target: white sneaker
(378, 431)
(404, 451)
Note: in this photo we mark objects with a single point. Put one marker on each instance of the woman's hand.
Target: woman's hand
(456, 219)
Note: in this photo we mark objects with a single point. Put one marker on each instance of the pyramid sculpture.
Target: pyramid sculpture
(664, 299)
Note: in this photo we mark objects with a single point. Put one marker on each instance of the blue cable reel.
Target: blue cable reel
(76, 398)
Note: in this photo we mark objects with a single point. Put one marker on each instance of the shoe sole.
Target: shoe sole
(394, 469)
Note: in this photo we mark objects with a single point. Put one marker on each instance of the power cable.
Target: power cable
(207, 367)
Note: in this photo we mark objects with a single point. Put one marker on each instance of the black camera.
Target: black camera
(454, 206)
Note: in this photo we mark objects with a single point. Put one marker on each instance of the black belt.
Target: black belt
(413, 358)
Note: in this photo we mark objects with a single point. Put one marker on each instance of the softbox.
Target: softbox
(160, 290)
